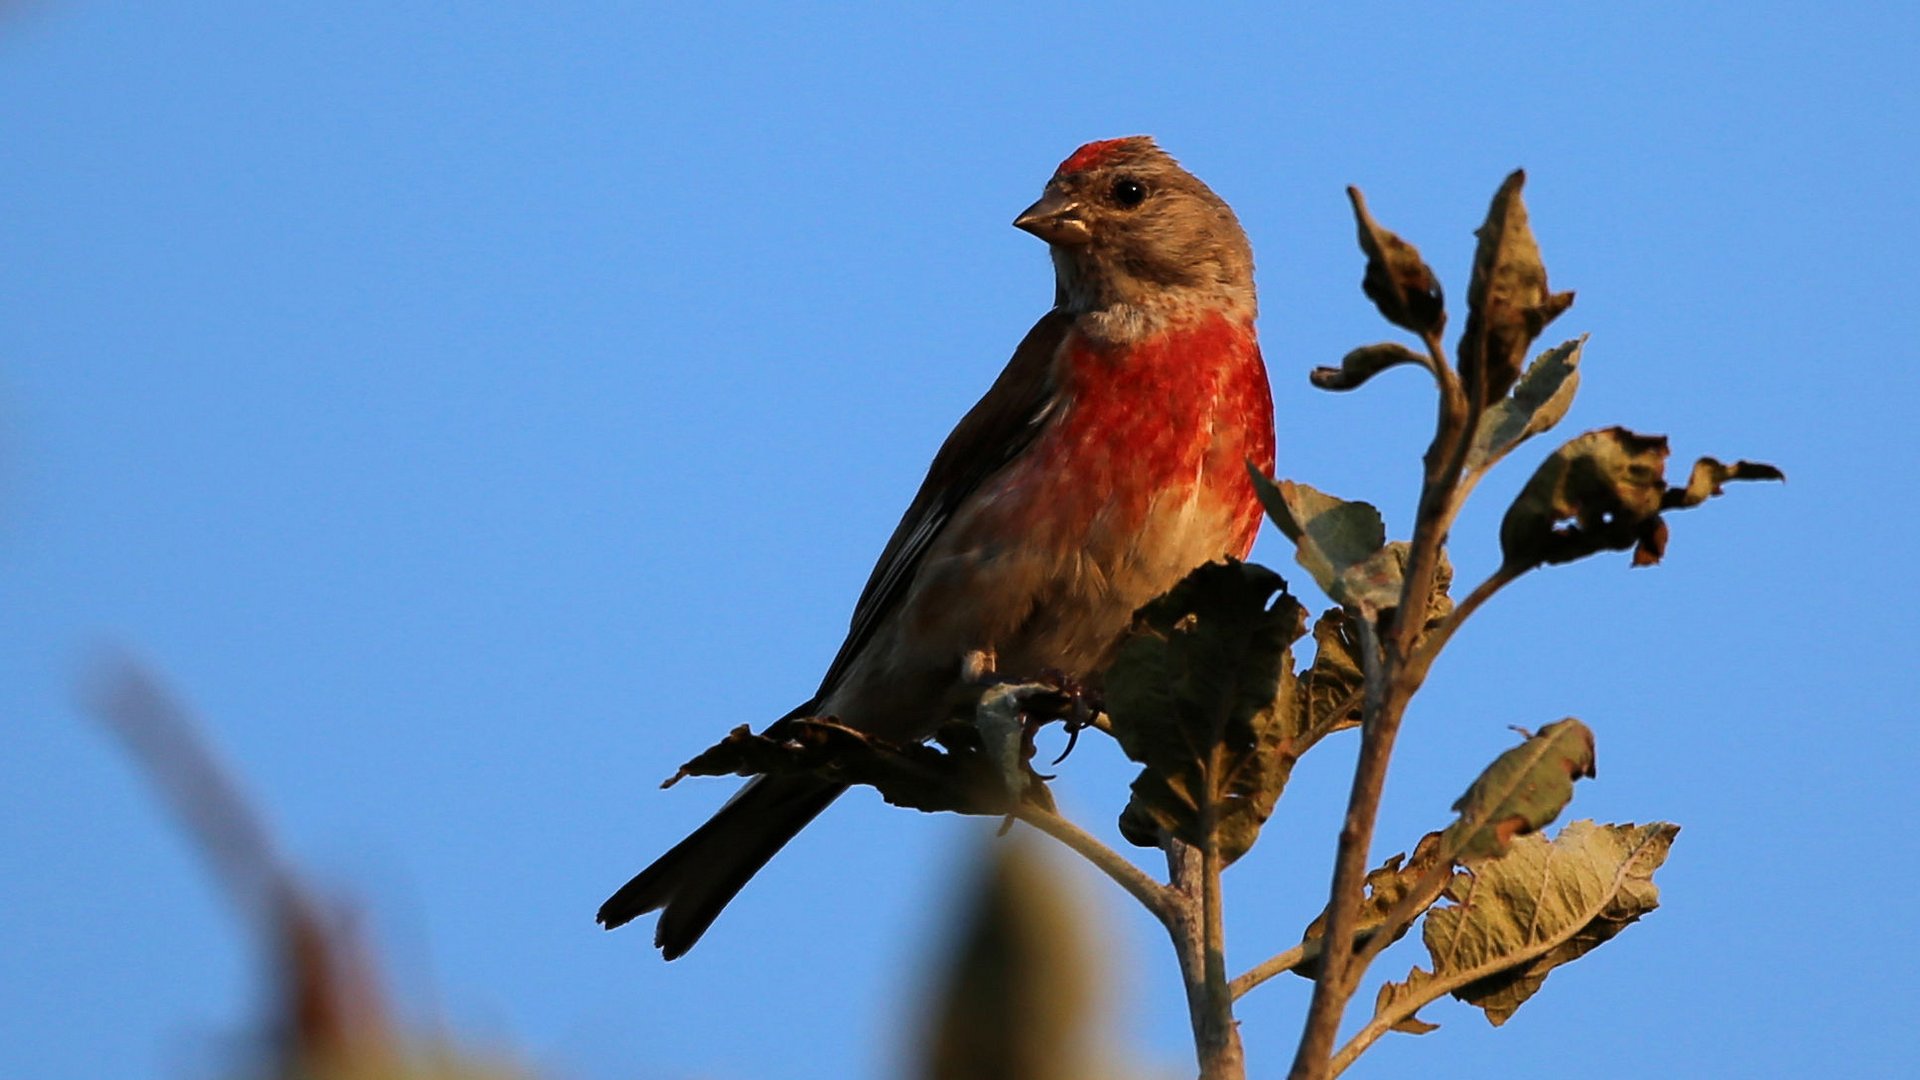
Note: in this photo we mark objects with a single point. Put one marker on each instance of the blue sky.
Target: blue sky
(474, 413)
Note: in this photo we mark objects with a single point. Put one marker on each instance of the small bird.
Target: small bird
(1106, 462)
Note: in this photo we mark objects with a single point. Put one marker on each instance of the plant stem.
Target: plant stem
(1445, 457)
(1155, 897)
(1266, 969)
(1199, 940)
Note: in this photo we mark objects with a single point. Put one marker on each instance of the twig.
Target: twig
(1266, 969)
(1431, 645)
(1439, 503)
(1221, 1055)
(1155, 897)
(1198, 938)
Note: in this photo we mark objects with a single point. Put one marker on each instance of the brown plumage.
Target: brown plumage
(1105, 462)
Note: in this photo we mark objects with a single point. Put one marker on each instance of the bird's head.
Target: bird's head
(1129, 228)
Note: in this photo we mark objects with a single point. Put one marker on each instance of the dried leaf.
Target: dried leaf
(1329, 535)
(1364, 363)
(1019, 996)
(1398, 282)
(959, 774)
(1201, 694)
(1572, 894)
(1330, 691)
(1386, 886)
(1392, 992)
(1539, 400)
(1521, 792)
(1708, 474)
(1516, 918)
(1604, 491)
(1508, 303)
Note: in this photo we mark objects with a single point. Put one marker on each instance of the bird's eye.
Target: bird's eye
(1128, 193)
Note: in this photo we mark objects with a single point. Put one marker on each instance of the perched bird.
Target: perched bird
(1106, 461)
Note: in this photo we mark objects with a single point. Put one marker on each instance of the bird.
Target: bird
(1106, 462)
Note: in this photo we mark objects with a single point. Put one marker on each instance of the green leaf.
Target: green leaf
(1201, 694)
(1364, 363)
(959, 774)
(1508, 302)
(1329, 535)
(1397, 281)
(1521, 792)
(1020, 992)
(1604, 491)
(1539, 400)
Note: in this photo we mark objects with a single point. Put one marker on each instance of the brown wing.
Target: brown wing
(996, 429)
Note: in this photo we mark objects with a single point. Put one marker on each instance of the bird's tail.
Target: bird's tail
(691, 883)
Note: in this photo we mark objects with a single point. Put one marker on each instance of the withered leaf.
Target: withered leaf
(1386, 885)
(1544, 904)
(1604, 491)
(1516, 918)
(959, 774)
(1524, 789)
(1201, 694)
(1364, 363)
(1708, 474)
(1331, 689)
(1397, 280)
(1508, 302)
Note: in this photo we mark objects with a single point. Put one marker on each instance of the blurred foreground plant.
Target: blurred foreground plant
(1204, 695)
(329, 1019)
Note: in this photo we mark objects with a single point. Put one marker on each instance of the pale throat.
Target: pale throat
(1111, 313)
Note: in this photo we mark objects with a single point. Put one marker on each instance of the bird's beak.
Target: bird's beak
(1055, 219)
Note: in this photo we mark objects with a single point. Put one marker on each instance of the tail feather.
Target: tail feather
(691, 883)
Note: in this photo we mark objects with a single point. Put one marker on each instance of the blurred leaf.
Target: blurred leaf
(1611, 485)
(1521, 792)
(1018, 1000)
(1329, 535)
(959, 774)
(1201, 693)
(1364, 363)
(1545, 903)
(1508, 303)
(1539, 400)
(1397, 281)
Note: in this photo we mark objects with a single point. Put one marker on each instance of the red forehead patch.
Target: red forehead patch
(1095, 154)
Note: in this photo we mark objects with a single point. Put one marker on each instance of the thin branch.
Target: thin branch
(1221, 1055)
(1439, 503)
(1155, 897)
(1436, 640)
(1183, 887)
(1266, 969)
